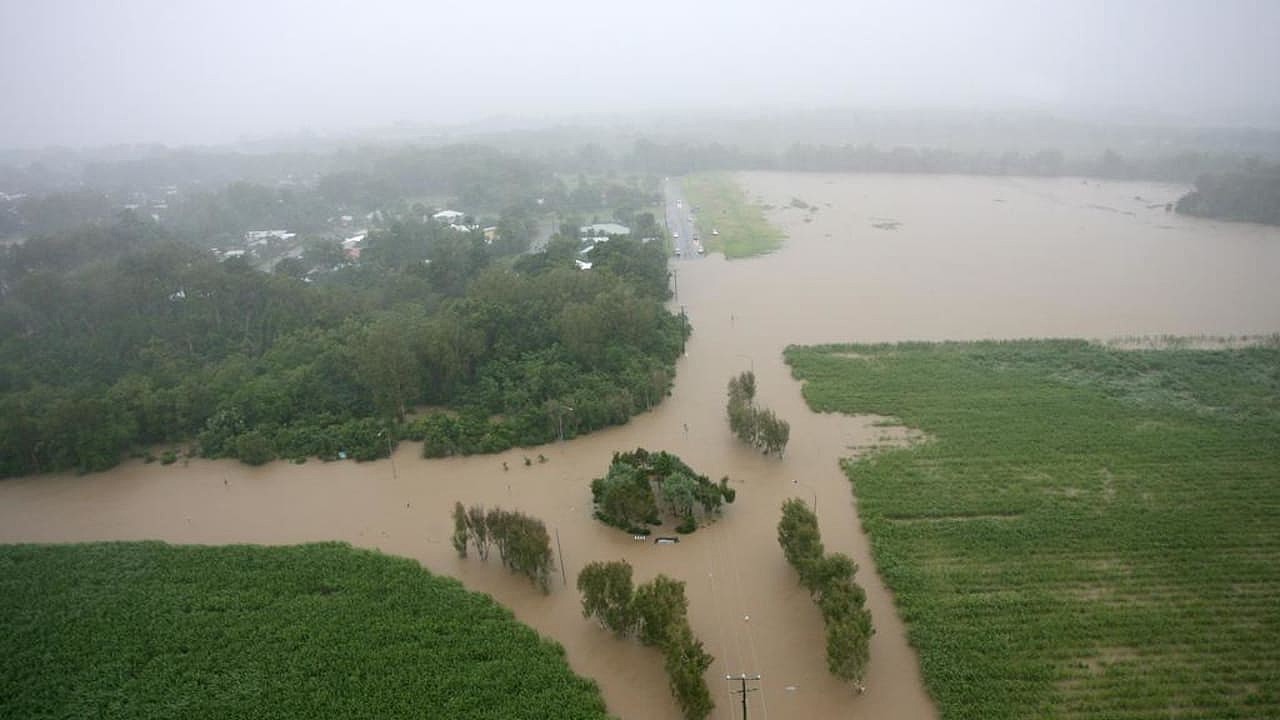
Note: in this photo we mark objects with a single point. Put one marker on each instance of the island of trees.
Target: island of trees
(829, 579)
(754, 425)
(656, 613)
(641, 486)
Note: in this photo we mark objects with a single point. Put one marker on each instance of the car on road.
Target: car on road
(675, 235)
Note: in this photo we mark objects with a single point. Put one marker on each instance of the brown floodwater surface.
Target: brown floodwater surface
(970, 258)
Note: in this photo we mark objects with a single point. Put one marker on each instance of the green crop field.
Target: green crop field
(148, 630)
(1085, 532)
(723, 206)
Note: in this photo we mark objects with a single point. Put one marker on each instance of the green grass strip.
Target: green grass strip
(723, 206)
(148, 630)
(1086, 532)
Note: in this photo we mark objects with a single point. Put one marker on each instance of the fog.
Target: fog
(87, 73)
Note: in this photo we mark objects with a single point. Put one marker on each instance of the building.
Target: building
(448, 216)
(604, 229)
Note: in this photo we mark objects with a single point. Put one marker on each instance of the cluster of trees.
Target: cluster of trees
(522, 541)
(656, 613)
(829, 579)
(1252, 196)
(119, 337)
(639, 486)
(756, 426)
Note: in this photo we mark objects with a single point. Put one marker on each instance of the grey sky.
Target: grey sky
(85, 73)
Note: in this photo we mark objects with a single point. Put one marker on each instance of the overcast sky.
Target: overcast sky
(195, 71)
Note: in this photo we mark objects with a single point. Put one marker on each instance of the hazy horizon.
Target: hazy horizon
(139, 71)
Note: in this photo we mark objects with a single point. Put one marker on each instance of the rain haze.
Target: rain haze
(87, 73)
(898, 360)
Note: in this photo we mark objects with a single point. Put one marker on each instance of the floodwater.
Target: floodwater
(953, 257)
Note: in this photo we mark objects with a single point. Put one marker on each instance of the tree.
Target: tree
(607, 595)
(659, 607)
(461, 533)
(799, 537)
(686, 665)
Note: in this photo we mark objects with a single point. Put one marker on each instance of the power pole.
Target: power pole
(744, 689)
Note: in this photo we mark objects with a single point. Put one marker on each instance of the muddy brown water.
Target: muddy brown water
(969, 258)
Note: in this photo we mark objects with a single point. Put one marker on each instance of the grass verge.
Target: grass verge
(148, 630)
(722, 206)
(1090, 532)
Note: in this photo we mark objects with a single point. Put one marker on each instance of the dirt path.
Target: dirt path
(1041, 262)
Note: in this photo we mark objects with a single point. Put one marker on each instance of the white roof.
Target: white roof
(606, 229)
(583, 264)
(447, 215)
(353, 241)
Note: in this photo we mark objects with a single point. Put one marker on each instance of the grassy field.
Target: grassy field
(723, 206)
(1086, 532)
(148, 630)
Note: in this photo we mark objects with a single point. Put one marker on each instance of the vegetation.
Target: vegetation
(522, 541)
(722, 206)
(641, 485)
(1089, 532)
(1253, 196)
(116, 338)
(756, 426)
(656, 613)
(148, 630)
(829, 579)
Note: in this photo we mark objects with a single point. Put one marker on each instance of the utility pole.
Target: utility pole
(684, 325)
(743, 678)
(563, 577)
(675, 278)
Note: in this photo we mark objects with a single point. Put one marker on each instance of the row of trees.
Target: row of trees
(116, 338)
(756, 426)
(656, 613)
(641, 486)
(522, 541)
(829, 580)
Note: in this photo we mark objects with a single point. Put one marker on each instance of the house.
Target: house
(604, 229)
(351, 246)
(253, 236)
(448, 216)
(490, 234)
(582, 264)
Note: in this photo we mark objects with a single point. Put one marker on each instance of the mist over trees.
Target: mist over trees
(117, 337)
(1253, 196)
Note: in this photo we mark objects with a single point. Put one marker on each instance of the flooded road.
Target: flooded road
(968, 258)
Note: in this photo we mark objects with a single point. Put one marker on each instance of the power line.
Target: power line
(744, 689)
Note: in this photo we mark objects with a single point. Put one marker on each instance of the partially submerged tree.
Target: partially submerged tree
(756, 426)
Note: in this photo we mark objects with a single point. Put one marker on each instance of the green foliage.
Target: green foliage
(755, 425)
(522, 541)
(640, 486)
(723, 206)
(657, 614)
(607, 595)
(147, 630)
(1087, 531)
(1252, 195)
(829, 579)
(163, 343)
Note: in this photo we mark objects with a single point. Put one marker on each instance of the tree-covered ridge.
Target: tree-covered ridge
(1253, 196)
(148, 630)
(163, 343)
(641, 486)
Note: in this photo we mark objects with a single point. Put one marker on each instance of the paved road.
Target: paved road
(680, 220)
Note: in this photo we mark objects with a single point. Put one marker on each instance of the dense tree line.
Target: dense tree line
(641, 486)
(829, 579)
(1252, 196)
(522, 541)
(657, 614)
(158, 342)
(756, 426)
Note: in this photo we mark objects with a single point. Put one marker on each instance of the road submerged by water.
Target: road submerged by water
(1040, 262)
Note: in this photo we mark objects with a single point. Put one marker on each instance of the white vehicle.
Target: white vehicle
(675, 235)
(715, 231)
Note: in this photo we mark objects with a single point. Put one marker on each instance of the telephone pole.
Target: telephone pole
(743, 678)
